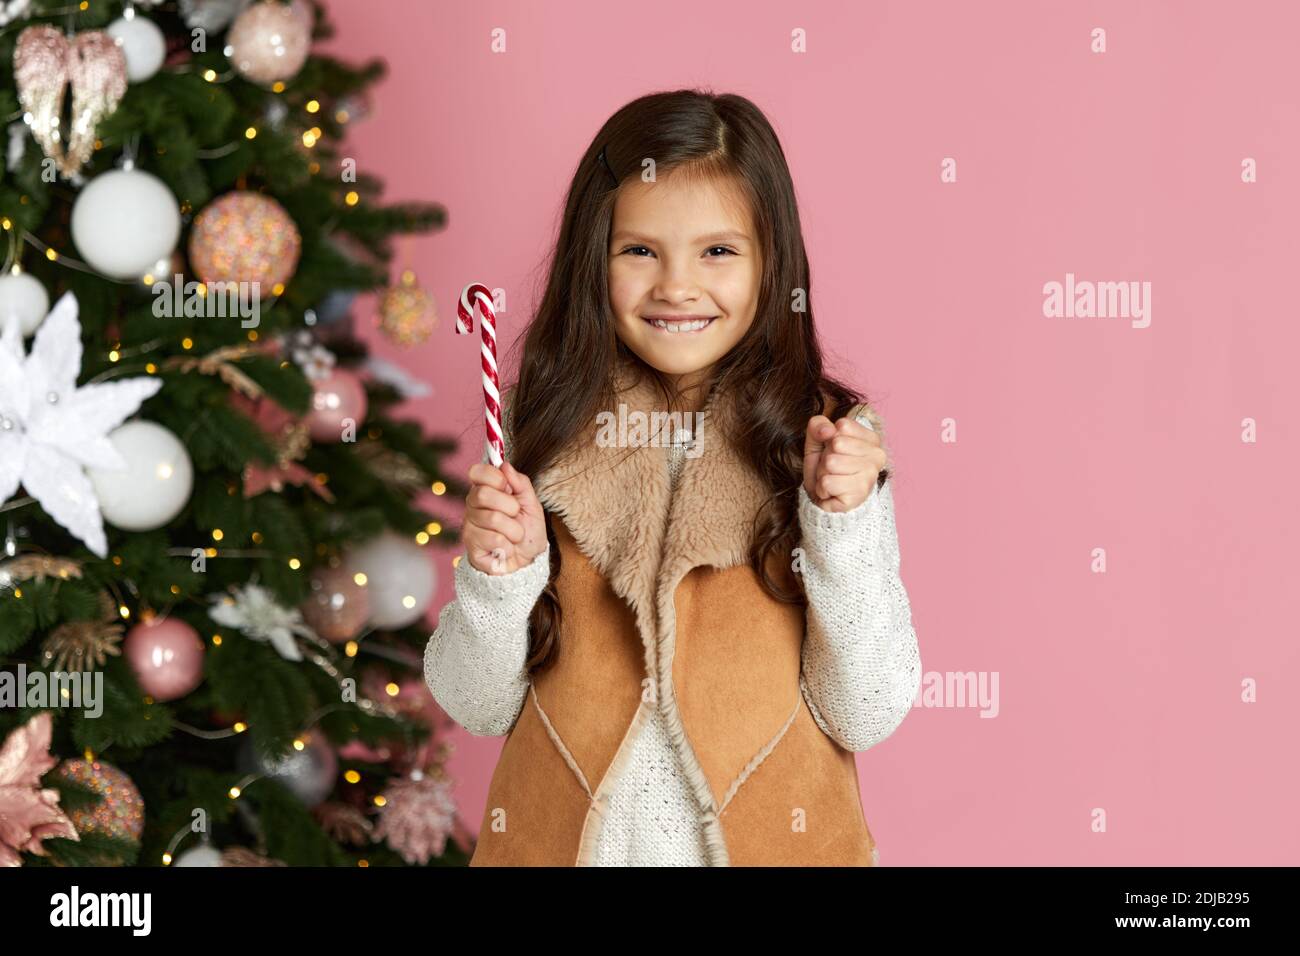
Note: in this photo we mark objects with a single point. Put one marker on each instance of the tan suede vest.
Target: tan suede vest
(661, 608)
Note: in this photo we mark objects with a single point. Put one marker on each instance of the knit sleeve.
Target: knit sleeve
(474, 662)
(861, 665)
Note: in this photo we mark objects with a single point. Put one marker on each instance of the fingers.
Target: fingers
(490, 499)
(520, 484)
(832, 486)
(819, 430)
(481, 473)
(855, 459)
(495, 521)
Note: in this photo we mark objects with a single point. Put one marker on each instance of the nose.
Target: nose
(677, 281)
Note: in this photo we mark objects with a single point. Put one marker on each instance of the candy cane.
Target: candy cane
(491, 385)
(482, 297)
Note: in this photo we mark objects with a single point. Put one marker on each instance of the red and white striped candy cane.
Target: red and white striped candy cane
(477, 294)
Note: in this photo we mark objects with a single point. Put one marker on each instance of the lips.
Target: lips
(679, 324)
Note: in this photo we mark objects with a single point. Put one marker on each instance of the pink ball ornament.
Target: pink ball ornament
(245, 237)
(338, 398)
(166, 655)
(270, 41)
(338, 607)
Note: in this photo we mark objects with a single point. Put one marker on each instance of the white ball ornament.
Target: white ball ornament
(124, 221)
(400, 578)
(142, 43)
(154, 486)
(201, 855)
(23, 297)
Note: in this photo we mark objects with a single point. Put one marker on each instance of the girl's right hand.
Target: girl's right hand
(505, 528)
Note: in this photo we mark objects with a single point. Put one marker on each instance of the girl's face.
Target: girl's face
(682, 249)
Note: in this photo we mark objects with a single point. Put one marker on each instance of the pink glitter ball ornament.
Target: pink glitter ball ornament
(120, 811)
(245, 237)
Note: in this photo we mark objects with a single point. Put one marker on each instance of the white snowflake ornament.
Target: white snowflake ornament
(51, 430)
(253, 610)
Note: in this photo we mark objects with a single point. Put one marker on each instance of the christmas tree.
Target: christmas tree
(214, 534)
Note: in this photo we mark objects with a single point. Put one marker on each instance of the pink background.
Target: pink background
(1121, 690)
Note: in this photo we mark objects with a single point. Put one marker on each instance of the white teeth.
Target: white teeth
(693, 326)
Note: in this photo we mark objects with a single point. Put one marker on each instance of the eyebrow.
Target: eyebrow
(712, 237)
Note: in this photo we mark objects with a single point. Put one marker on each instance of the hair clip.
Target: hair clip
(608, 168)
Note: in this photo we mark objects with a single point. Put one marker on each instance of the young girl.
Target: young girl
(693, 616)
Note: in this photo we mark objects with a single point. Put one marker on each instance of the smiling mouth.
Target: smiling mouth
(680, 326)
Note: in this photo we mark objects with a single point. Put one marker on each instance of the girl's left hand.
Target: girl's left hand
(841, 462)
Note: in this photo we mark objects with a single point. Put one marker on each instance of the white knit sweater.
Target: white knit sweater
(860, 668)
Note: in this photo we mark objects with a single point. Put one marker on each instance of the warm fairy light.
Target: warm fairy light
(364, 864)
(117, 560)
(147, 278)
(212, 552)
(151, 368)
(187, 343)
(422, 537)
(391, 689)
(455, 562)
(352, 198)
(239, 727)
(341, 116)
(252, 335)
(313, 106)
(313, 167)
(278, 288)
(216, 640)
(210, 75)
(124, 611)
(433, 527)
(438, 488)
(51, 255)
(6, 223)
(350, 649)
(380, 800)
(277, 86)
(174, 589)
(251, 132)
(234, 793)
(295, 563)
(114, 355)
(308, 139)
(18, 593)
(167, 859)
(298, 744)
(257, 537)
(217, 534)
(408, 602)
(352, 777)
(360, 578)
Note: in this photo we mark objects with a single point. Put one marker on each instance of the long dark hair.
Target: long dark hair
(571, 349)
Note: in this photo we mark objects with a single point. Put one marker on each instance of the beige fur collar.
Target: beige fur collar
(616, 502)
